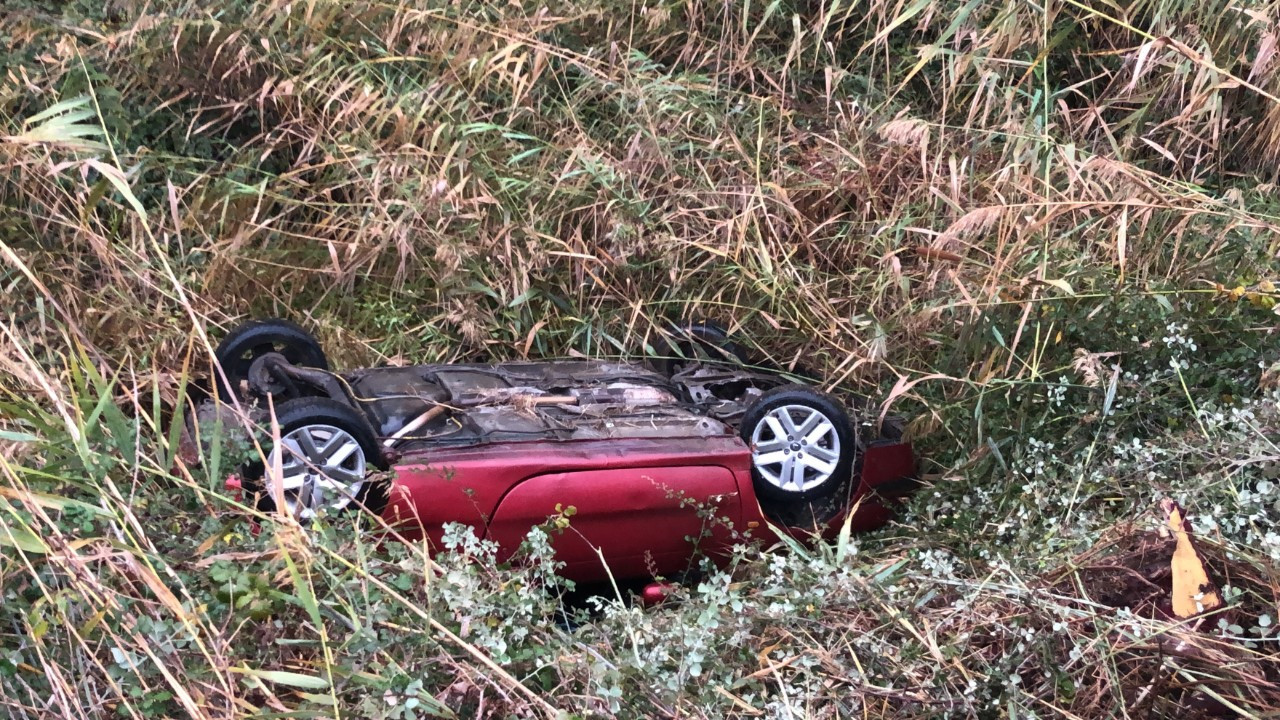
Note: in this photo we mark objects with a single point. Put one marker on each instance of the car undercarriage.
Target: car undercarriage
(569, 400)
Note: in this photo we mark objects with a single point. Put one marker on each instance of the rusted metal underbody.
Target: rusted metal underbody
(561, 400)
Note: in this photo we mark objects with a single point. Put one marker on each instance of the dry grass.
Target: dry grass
(941, 205)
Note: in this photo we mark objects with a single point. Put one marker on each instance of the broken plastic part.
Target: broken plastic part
(1193, 593)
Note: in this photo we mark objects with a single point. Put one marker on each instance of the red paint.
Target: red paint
(655, 594)
(234, 486)
(636, 500)
(640, 519)
(883, 464)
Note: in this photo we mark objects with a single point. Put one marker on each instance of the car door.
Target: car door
(641, 520)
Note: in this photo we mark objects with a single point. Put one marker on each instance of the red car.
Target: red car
(653, 460)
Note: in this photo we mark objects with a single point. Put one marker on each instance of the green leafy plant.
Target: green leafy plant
(1045, 232)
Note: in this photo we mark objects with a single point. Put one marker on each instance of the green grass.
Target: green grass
(969, 212)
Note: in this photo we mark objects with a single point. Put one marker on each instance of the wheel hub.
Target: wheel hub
(795, 448)
(322, 466)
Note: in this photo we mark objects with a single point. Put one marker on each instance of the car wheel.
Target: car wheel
(696, 343)
(326, 452)
(803, 444)
(252, 340)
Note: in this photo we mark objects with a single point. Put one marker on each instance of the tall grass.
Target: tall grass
(1019, 223)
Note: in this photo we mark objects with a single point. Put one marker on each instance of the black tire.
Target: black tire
(695, 343)
(302, 412)
(250, 341)
(893, 429)
(773, 404)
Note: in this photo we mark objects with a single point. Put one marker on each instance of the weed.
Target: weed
(1047, 231)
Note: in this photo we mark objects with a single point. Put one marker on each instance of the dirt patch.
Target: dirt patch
(1132, 571)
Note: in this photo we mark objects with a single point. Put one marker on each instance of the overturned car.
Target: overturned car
(694, 450)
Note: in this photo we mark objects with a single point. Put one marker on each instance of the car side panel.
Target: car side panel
(611, 485)
(641, 520)
(465, 485)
